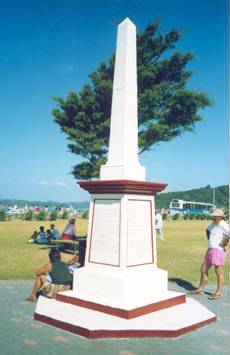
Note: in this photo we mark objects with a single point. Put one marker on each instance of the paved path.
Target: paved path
(20, 334)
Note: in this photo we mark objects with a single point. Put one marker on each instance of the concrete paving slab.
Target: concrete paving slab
(20, 334)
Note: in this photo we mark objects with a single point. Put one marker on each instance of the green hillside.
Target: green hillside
(163, 200)
(204, 194)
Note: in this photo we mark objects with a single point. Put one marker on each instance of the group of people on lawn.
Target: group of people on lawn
(55, 276)
(46, 236)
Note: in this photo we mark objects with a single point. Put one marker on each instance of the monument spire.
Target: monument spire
(123, 145)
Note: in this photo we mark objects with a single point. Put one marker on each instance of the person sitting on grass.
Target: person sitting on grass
(33, 238)
(50, 235)
(56, 234)
(69, 232)
(42, 236)
(60, 277)
(39, 237)
(218, 237)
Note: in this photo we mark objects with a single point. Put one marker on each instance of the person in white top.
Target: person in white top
(218, 237)
(69, 232)
(159, 224)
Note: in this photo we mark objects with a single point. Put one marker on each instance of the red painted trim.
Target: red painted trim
(62, 325)
(129, 333)
(123, 313)
(151, 231)
(122, 187)
(151, 216)
(90, 241)
(91, 234)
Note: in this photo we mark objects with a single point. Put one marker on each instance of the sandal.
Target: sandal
(196, 292)
(215, 297)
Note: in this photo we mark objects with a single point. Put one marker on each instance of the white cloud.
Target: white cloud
(53, 183)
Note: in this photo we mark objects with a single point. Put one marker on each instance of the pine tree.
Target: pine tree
(167, 108)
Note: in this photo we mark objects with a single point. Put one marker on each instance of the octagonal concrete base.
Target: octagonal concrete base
(170, 322)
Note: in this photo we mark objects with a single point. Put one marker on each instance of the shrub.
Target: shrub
(9, 217)
(53, 215)
(176, 216)
(41, 216)
(165, 216)
(186, 216)
(191, 216)
(202, 217)
(226, 213)
(29, 215)
(208, 217)
(85, 214)
(2, 215)
(65, 214)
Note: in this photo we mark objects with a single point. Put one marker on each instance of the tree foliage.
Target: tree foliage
(166, 106)
(203, 194)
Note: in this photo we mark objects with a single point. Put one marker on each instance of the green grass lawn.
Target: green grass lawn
(181, 253)
(20, 260)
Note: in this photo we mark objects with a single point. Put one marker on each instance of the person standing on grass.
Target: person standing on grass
(218, 237)
(159, 224)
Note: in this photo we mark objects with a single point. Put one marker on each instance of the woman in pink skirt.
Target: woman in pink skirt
(218, 237)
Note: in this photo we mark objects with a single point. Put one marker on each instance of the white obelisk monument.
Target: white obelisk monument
(120, 291)
(123, 144)
(120, 267)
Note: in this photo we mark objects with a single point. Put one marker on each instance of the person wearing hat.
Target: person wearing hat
(218, 237)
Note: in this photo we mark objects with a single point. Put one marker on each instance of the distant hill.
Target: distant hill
(204, 194)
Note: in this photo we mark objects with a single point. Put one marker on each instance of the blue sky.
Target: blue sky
(48, 48)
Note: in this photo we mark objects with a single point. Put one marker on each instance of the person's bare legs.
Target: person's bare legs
(37, 285)
(203, 278)
(220, 279)
(161, 235)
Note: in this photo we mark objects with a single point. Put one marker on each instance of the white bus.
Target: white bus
(184, 207)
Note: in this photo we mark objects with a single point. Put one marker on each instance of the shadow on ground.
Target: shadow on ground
(183, 283)
(187, 286)
(63, 250)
